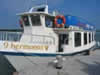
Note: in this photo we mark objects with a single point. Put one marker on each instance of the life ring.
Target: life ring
(63, 21)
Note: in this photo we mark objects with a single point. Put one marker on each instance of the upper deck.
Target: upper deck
(38, 18)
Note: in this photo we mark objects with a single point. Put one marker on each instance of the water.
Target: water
(7, 69)
(97, 36)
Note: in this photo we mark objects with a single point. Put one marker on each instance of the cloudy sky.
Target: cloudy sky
(86, 9)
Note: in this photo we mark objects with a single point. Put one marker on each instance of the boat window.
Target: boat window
(89, 37)
(41, 9)
(85, 38)
(65, 38)
(35, 20)
(49, 21)
(92, 36)
(26, 20)
(77, 39)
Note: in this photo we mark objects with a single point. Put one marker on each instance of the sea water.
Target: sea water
(97, 36)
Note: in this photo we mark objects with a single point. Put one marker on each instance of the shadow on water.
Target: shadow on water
(90, 69)
(5, 67)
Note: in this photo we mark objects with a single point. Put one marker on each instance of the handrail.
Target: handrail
(10, 36)
(16, 36)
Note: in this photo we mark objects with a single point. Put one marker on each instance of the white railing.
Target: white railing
(10, 36)
(16, 36)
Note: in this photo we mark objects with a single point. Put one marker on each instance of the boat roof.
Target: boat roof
(41, 9)
(31, 13)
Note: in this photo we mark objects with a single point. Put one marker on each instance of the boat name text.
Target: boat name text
(23, 46)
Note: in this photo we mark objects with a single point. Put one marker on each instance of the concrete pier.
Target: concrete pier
(76, 65)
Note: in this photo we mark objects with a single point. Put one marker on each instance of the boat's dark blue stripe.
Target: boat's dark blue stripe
(26, 54)
(35, 54)
(41, 54)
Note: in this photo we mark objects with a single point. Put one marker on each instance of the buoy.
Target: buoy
(63, 21)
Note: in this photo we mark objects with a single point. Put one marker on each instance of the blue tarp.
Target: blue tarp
(76, 21)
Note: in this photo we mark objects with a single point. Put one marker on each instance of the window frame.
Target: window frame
(51, 19)
(77, 39)
(92, 36)
(89, 37)
(85, 38)
(34, 24)
(28, 24)
(66, 39)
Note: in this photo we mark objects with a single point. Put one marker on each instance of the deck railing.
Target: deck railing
(16, 36)
(10, 36)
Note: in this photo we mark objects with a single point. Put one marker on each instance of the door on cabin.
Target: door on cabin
(63, 40)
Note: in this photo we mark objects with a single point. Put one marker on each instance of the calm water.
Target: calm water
(97, 36)
(7, 69)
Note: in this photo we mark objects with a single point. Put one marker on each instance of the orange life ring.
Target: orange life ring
(59, 17)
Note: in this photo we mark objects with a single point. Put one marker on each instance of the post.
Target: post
(59, 64)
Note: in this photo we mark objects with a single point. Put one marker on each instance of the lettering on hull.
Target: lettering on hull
(25, 47)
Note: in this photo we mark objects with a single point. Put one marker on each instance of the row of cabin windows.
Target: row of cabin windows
(78, 38)
(35, 19)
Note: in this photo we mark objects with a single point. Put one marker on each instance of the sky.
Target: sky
(86, 9)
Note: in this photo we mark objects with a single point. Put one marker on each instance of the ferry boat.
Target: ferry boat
(48, 34)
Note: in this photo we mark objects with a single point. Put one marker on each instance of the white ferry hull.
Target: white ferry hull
(11, 48)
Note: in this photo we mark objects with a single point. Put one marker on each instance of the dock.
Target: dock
(73, 65)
